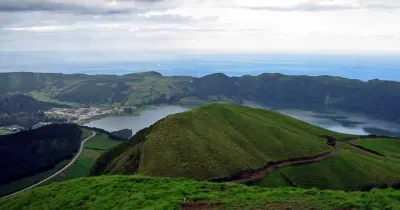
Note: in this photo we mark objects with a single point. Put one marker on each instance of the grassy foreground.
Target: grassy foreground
(216, 140)
(130, 192)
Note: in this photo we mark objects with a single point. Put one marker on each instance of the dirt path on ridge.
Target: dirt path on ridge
(256, 175)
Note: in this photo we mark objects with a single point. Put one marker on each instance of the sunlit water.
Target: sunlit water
(338, 121)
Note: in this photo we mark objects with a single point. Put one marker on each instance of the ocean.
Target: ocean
(363, 67)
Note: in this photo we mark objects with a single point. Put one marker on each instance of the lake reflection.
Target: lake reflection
(136, 123)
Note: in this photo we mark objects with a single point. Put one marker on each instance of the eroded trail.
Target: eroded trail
(258, 174)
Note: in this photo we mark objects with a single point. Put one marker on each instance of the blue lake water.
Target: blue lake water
(136, 123)
(363, 67)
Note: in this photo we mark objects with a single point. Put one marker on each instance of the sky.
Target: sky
(200, 25)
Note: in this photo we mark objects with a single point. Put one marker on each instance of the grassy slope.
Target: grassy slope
(80, 168)
(28, 181)
(351, 169)
(130, 192)
(147, 88)
(5, 132)
(218, 140)
(93, 148)
(389, 147)
(102, 142)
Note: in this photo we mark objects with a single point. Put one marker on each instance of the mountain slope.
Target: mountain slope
(351, 169)
(214, 141)
(374, 98)
(131, 192)
(24, 110)
(11, 104)
(32, 151)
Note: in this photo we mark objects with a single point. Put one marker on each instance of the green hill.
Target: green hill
(214, 141)
(351, 169)
(24, 110)
(389, 147)
(131, 192)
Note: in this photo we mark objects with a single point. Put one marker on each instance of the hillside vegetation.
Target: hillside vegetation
(216, 140)
(92, 149)
(32, 151)
(131, 192)
(389, 147)
(130, 89)
(10, 104)
(307, 92)
(24, 110)
(351, 169)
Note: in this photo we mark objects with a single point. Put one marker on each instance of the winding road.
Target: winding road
(59, 171)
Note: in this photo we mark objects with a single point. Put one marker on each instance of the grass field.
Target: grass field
(86, 133)
(131, 192)
(351, 169)
(389, 147)
(192, 101)
(4, 132)
(42, 96)
(218, 140)
(101, 142)
(144, 88)
(93, 148)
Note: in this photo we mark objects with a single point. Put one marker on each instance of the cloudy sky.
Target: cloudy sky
(201, 25)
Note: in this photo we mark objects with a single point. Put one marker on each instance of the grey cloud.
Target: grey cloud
(382, 6)
(193, 29)
(150, 1)
(52, 6)
(314, 6)
(169, 18)
(308, 7)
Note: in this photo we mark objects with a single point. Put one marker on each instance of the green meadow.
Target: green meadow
(132, 192)
(351, 169)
